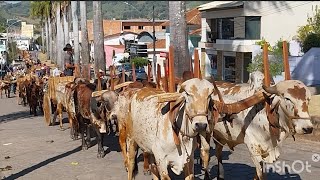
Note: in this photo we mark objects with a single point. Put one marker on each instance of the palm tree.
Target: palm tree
(60, 35)
(84, 37)
(98, 34)
(75, 30)
(41, 9)
(65, 14)
(178, 36)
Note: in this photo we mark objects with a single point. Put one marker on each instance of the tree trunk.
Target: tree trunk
(66, 26)
(98, 34)
(84, 38)
(50, 37)
(42, 39)
(58, 39)
(178, 36)
(47, 39)
(54, 41)
(75, 30)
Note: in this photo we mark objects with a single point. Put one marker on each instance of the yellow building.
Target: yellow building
(26, 30)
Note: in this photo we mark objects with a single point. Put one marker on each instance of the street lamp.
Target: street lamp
(154, 59)
(7, 29)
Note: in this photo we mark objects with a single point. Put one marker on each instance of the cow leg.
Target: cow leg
(88, 135)
(82, 127)
(161, 165)
(154, 168)
(259, 173)
(205, 153)
(189, 169)
(146, 168)
(99, 142)
(35, 109)
(219, 158)
(123, 145)
(59, 112)
(132, 151)
(55, 114)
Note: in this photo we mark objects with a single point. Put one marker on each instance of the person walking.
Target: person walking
(68, 60)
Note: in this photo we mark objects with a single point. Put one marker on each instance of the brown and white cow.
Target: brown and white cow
(289, 104)
(151, 130)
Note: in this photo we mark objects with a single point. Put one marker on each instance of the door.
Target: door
(229, 68)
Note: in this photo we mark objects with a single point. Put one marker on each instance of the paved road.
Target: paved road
(37, 151)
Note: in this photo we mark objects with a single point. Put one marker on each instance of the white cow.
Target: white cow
(251, 126)
(152, 131)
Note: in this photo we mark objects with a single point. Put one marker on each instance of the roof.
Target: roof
(220, 5)
(119, 34)
(117, 46)
(160, 44)
(193, 17)
(194, 32)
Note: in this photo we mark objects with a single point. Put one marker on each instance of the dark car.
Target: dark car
(140, 74)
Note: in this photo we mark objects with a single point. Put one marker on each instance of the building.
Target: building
(27, 30)
(230, 30)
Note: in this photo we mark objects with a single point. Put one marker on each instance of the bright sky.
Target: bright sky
(13, 2)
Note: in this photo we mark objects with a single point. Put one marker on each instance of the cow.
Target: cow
(33, 92)
(149, 127)
(88, 113)
(119, 114)
(61, 101)
(253, 126)
(6, 87)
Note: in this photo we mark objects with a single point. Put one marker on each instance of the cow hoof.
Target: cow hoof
(84, 148)
(147, 172)
(100, 155)
(207, 176)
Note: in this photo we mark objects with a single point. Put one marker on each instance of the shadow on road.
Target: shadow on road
(15, 116)
(236, 171)
(41, 164)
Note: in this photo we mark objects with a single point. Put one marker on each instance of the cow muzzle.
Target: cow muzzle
(199, 121)
(199, 127)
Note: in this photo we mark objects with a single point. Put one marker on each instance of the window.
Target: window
(140, 27)
(126, 27)
(163, 27)
(253, 27)
(226, 28)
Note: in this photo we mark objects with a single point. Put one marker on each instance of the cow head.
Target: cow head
(195, 97)
(291, 102)
(106, 104)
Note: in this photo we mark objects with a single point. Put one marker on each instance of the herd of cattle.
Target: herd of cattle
(169, 127)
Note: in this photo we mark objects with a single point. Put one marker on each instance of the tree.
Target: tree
(84, 36)
(75, 31)
(65, 14)
(312, 26)
(178, 36)
(139, 61)
(312, 40)
(98, 34)
(60, 36)
(275, 59)
(41, 9)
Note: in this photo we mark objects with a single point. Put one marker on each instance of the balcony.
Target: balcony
(236, 45)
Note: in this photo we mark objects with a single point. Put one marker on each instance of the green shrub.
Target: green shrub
(275, 61)
(312, 40)
(140, 61)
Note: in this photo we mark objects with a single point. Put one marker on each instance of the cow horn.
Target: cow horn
(217, 90)
(271, 90)
(239, 106)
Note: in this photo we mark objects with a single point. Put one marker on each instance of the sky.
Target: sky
(13, 2)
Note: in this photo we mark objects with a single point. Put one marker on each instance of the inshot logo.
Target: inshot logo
(282, 167)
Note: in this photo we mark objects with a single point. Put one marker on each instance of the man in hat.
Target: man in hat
(68, 60)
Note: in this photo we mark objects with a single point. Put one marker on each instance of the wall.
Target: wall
(109, 50)
(280, 19)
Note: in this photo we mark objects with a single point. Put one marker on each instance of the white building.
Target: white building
(230, 30)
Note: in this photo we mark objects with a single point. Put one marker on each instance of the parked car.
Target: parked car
(140, 74)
